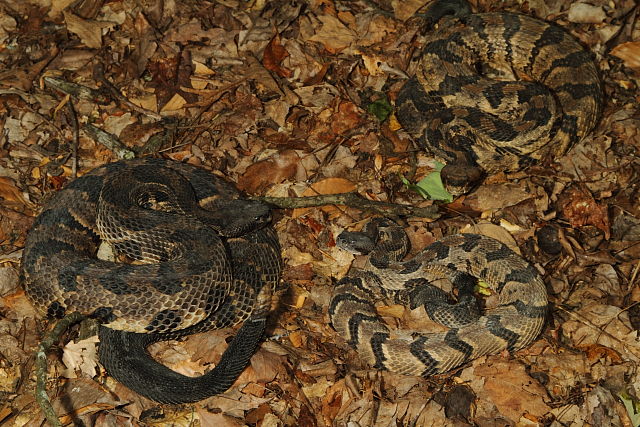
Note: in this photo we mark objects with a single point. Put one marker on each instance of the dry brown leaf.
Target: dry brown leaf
(211, 419)
(317, 389)
(630, 53)
(497, 196)
(511, 389)
(584, 13)
(273, 56)
(347, 117)
(89, 32)
(333, 34)
(595, 352)
(81, 356)
(267, 365)
(175, 103)
(404, 9)
(82, 396)
(274, 170)
(10, 191)
(580, 208)
(8, 280)
(605, 325)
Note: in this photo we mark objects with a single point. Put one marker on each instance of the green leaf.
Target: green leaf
(380, 108)
(633, 408)
(431, 186)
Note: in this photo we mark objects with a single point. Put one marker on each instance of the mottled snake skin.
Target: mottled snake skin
(513, 323)
(197, 257)
(497, 92)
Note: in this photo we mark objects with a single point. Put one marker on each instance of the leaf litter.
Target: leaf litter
(292, 98)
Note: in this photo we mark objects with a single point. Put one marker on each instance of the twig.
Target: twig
(109, 141)
(41, 365)
(76, 139)
(76, 90)
(353, 200)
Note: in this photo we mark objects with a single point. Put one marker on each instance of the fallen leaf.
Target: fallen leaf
(273, 56)
(404, 9)
(10, 191)
(347, 117)
(211, 419)
(511, 389)
(580, 208)
(89, 32)
(274, 170)
(80, 356)
(333, 34)
(584, 13)
(629, 52)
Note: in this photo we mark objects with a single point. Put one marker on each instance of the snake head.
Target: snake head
(237, 217)
(460, 179)
(438, 9)
(357, 243)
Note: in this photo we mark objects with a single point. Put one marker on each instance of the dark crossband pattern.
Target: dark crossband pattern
(513, 323)
(197, 257)
(497, 92)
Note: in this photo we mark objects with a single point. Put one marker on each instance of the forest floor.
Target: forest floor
(290, 98)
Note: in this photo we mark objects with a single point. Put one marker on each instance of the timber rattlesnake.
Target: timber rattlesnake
(464, 106)
(513, 323)
(201, 258)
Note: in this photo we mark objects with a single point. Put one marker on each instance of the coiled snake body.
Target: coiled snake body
(464, 106)
(199, 257)
(513, 323)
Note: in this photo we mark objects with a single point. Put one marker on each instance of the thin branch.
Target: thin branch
(73, 118)
(109, 141)
(41, 365)
(353, 200)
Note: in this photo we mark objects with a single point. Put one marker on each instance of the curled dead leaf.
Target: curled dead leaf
(334, 35)
(580, 208)
(273, 170)
(629, 52)
(274, 54)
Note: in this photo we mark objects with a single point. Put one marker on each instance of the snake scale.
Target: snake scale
(496, 92)
(492, 92)
(197, 257)
(512, 324)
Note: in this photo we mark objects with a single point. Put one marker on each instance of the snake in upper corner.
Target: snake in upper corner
(195, 256)
(497, 92)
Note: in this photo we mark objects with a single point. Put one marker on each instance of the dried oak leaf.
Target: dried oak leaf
(334, 35)
(630, 53)
(274, 54)
(347, 117)
(404, 9)
(273, 170)
(511, 389)
(90, 32)
(580, 208)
